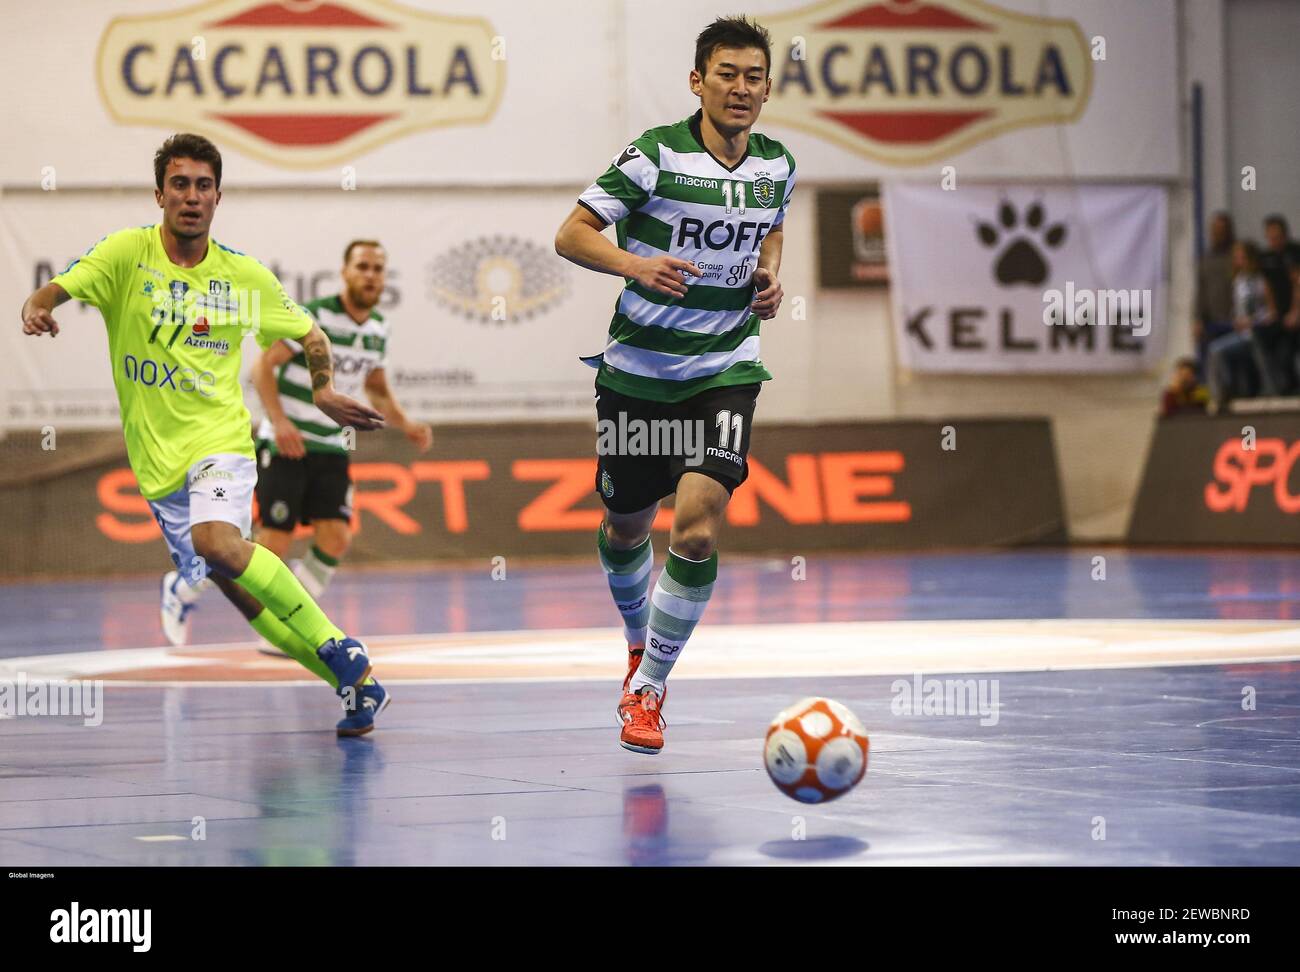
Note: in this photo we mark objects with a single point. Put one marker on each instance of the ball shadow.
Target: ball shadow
(814, 849)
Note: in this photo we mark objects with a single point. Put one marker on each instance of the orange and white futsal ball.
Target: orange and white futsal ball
(816, 750)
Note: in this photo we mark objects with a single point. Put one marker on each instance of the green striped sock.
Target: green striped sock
(675, 608)
(628, 573)
(315, 571)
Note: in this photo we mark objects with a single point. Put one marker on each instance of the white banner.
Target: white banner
(361, 92)
(1041, 279)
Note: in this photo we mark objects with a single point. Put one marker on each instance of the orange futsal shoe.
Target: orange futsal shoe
(634, 653)
(643, 726)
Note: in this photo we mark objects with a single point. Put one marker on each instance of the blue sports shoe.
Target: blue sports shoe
(367, 703)
(347, 659)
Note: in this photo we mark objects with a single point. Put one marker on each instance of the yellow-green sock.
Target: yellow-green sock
(271, 582)
(277, 633)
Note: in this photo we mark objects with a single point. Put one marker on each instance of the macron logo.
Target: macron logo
(354, 651)
(105, 925)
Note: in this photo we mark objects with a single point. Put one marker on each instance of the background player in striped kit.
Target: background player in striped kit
(302, 456)
(698, 207)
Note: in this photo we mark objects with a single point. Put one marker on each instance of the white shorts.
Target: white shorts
(218, 487)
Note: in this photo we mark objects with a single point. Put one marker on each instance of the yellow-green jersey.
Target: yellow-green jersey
(174, 336)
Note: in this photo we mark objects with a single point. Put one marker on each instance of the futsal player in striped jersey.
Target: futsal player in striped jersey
(698, 208)
(301, 451)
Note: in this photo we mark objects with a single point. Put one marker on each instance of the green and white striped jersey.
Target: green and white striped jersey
(668, 195)
(358, 350)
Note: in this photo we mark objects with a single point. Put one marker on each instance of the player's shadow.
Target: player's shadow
(814, 849)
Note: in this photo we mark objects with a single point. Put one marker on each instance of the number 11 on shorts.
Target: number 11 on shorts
(728, 422)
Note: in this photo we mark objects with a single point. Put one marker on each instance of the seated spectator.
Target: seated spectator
(1185, 395)
(1234, 361)
(1280, 342)
(1214, 288)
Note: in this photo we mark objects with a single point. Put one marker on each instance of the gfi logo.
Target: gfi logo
(132, 925)
(300, 83)
(663, 647)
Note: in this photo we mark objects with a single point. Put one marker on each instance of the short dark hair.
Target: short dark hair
(1277, 219)
(186, 145)
(347, 252)
(1186, 363)
(731, 32)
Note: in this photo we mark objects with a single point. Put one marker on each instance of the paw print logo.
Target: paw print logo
(219, 492)
(1022, 261)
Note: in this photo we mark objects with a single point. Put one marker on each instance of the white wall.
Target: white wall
(1204, 25)
(1262, 59)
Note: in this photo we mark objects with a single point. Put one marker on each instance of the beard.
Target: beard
(360, 298)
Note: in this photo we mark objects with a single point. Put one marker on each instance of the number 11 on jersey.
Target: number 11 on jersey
(738, 188)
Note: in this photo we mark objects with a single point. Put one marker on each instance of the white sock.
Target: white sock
(314, 573)
(187, 591)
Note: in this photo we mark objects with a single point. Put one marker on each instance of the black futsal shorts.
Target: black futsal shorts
(293, 491)
(644, 447)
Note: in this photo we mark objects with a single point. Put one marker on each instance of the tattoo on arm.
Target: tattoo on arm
(317, 349)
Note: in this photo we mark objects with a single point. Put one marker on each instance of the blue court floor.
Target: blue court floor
(1173, 738)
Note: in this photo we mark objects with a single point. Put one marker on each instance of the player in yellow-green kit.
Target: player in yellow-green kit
(177, 305)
